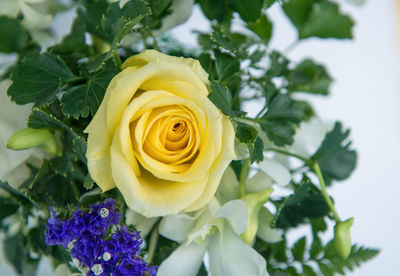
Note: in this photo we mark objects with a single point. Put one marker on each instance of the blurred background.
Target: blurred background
(365, 97)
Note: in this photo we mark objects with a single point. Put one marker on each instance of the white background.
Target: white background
(365, 96)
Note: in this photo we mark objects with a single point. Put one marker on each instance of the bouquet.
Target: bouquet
(130, 152)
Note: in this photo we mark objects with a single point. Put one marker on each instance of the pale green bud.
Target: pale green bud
(254, 202)
(29, 138)
(342, 240)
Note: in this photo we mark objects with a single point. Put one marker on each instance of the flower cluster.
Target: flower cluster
(94, 250)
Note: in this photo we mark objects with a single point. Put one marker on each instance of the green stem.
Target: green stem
(305, 160)
(318, 172)
(243, 176)
(152, 244)
(116, 59)
(261, 111)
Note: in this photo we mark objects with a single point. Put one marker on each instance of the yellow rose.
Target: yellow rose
(158, 138)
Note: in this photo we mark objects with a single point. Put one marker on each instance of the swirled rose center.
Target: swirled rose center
(171, 135)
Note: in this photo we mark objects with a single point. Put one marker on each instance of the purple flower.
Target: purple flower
(93, 248)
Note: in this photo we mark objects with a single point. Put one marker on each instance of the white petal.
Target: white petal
(235, 212)
(229, 186)
(260, 181)
(265, 232)
(230, 255)
(142, 224)
(276, 171)
(181, 11)
(177, 227)
(184, 261)
(12, 118)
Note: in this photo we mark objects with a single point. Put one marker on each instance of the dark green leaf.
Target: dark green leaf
(334, 156)
(316, 248)
(326, 270)
(320, 18)
(221, 97)
(308, 271)
(279, 64)
(8, 207)
(326, 21)
(42, 119)
(38, 79)
(98, 62)
(51, 189)
(249, 135)
(85, 99)
(249, 11)
(214, 9)
(299, 249)
(306, 202)
(73, 47)
(17, 195)
(262, 27)
(117, 22)
(79, 148)
(227, 68)
(309, 76)
(88, 183)
(91, 13)
(13, 36)
(281, 119)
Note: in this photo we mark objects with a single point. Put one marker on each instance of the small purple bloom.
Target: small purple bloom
(93, 248)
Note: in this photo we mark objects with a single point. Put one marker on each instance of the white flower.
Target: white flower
(13, 118)
(215, 230)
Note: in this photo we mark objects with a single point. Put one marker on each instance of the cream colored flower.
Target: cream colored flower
(158, 138)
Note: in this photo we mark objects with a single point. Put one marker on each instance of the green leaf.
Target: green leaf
(227, 68)
(20, 197)
(306, 202)
(7, 207)
(98, 62)
(117, 22)
(88, 183)
(320, 18)
(262, 27)
(85, 99)
(50, 188)
(279, 64)
(79, 148)
(326, 270)
(42, 119)
(281, 119)
(309, 76)
(249, 11)
(334, 156)
(13, 36)
(299, 248)
(316, 248)
(308, 271)
(38, 79)
(73, 47)
(326, 21)
(221, 97)
(249, 135)
(215, 9)
(91, 12)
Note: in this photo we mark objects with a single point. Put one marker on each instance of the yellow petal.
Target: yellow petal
(149, 55)
(219, 166)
